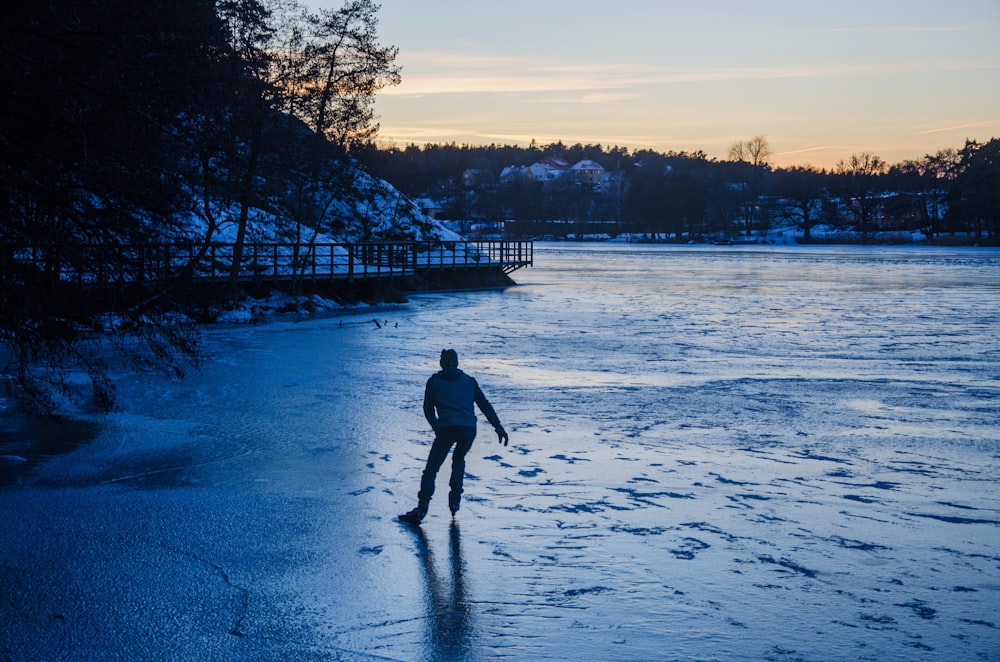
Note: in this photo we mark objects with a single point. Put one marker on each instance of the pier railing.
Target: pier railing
(259, 262)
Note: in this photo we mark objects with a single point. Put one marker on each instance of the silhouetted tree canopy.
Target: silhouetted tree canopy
(975, 196)
(122, 119)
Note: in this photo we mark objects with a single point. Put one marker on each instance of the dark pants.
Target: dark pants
(459, 437)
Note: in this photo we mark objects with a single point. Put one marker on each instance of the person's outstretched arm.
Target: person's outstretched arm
(491, 415)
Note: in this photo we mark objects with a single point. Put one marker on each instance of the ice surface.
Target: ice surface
(717, 453)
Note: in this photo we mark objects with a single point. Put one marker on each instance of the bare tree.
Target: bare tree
(939, 171)
(250, 33)
(754, 157)
(861, 174)
(338, 71)
(323, 69)
(803, 189)
(756, 151)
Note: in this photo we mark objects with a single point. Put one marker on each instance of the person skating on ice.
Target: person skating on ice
(450, 398)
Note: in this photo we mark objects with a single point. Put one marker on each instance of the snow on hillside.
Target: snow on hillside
(369, 210)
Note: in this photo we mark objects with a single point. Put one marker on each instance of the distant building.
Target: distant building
(513, 174)
(548, 169)
(587, 172)
(552, 168)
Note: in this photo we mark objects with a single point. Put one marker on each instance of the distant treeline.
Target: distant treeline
(681, 194)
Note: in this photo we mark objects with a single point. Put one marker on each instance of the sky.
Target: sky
(820, 80)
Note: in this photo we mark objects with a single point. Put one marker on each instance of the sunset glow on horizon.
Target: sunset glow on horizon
(820, 81)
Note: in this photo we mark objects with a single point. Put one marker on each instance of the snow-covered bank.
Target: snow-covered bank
(348, 298)
(794, 236)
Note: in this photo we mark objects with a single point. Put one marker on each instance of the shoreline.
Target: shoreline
(258, 304)
(789, 236)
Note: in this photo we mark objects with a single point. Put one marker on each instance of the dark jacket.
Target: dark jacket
(448, 400)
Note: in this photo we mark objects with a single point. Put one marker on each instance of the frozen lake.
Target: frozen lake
(717, 453)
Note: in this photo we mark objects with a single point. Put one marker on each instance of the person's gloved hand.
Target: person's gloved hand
(502, 436)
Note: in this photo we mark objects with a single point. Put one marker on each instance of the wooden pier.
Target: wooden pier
(153, 264)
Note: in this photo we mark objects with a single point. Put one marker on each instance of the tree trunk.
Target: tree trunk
(246, 199)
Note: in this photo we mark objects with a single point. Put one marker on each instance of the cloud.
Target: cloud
(957, 127)
(806, 150)
(429, 73)
(448, 73)
(592, 98)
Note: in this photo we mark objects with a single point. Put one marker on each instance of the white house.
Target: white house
(513, 173)
(548, 169)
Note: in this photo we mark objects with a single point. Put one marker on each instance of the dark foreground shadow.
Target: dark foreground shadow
(26, 442)
(452, 633)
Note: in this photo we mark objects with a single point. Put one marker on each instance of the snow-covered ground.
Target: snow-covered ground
(717, 453)
(370, 210)
(791, 235)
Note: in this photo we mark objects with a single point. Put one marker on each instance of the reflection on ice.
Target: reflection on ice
(448, 613)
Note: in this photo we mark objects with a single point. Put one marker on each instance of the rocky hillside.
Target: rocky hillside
(368, 209)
